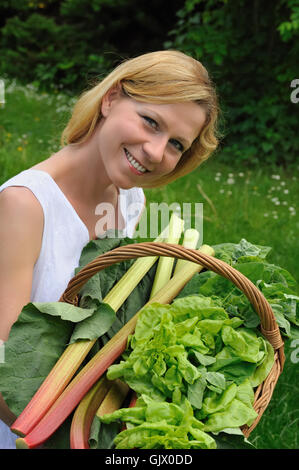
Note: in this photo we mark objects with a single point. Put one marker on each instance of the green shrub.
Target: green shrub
(251, 52)
(66, 44)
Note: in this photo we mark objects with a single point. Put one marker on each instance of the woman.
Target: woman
(149, 122)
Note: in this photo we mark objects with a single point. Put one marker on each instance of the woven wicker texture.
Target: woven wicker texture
(269, 327)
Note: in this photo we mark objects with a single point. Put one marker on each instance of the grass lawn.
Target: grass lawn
(259, 204)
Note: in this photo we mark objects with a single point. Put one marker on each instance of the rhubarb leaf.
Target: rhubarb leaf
(102, 435)
(35, 343)
(98, 286)
(38, 338)
(96, 325)
(65, 311)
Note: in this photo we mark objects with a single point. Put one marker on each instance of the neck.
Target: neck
(80, 171)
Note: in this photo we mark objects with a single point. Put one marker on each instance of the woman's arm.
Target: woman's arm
(21, 229)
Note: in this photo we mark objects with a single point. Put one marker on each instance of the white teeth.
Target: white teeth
(134, 163)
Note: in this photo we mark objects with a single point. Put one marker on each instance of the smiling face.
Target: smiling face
(139, 142)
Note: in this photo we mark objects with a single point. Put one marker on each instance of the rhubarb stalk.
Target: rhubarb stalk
(69, 362)
(98, 365)
(104, 397)
(190, 240)
(84, 414)
(114, 398)
(165, 263)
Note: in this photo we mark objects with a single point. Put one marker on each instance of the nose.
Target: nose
(155, 148)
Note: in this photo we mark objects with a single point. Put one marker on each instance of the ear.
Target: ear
(109, 99)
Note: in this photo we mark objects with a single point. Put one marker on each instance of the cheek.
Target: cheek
(169, 163)
(123, 129)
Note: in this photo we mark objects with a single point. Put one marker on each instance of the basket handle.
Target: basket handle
(269, 327)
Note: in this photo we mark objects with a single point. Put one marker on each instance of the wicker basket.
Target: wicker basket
(268, 327)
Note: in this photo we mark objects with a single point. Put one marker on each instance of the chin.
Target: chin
(124, 183)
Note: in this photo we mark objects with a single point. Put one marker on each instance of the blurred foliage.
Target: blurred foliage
(67, 43)
(250, 49)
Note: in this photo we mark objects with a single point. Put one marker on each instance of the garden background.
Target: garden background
(52, 50)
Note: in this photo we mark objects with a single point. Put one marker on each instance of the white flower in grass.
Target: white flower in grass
(230, 180)
(241, 174)
(286, 191)
(275, 177)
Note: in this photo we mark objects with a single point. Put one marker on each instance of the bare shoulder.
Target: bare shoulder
(21, 217)
(17, 199)
(20, 195)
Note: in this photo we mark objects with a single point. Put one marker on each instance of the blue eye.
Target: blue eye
(155, 126)
(177, 145)
(151, 122)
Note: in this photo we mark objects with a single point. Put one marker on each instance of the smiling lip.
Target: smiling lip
(135, 166)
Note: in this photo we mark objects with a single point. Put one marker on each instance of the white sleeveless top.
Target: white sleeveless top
(64, 237)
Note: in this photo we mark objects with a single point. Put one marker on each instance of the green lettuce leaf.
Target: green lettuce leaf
(163, 425)
(236, 414)
(243, 343)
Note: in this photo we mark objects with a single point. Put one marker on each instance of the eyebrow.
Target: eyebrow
(186, 143)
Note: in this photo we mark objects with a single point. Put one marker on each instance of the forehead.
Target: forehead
(182, 119)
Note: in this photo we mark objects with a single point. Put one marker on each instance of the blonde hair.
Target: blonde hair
(157, 77)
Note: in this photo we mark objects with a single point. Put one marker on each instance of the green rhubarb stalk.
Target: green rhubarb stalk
(84, 414)
(104, 397)
(114, 398)
(165, 263)
(97, 366)
(191, 237)
(75, 353)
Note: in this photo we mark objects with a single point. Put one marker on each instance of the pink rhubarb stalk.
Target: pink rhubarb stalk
(98, 365)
